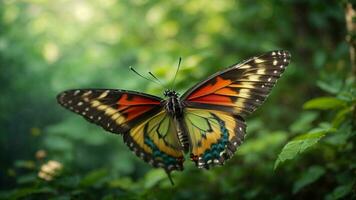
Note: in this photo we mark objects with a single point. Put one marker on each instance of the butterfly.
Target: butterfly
(207, 121)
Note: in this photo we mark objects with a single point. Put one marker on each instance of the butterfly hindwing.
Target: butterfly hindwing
(155, 141)
(213, 135)
(241, 88)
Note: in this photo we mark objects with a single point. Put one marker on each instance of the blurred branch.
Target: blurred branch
(350, 38)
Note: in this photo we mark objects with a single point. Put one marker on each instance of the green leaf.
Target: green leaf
(299, 144)
(26, 192)
(340, 192)
(324, 103)
(27, 178)
(25, 164)
(342, 135)
(310, 176)
(93, 177)
(332, 88)
(341, 116)
(153, 177)
(304, 122)
(123, 183)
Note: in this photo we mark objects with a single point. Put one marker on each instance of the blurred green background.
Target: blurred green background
(300, 144)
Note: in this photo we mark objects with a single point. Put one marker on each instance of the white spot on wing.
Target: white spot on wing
(254, 77)
(87, 93)
(104, 94)
(95, 103)
(261, 71)
(258, 60)
(76, 92)
(275, 62)
(243, 66)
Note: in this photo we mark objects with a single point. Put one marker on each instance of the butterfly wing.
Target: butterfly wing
(241, 88)
(224, 99)
(145, 126)
(156, 142)
(116, 111)
(213, 135)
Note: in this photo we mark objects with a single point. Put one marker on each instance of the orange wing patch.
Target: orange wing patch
(136, 100)
(135, 111)
(215, 99)
(208, 89)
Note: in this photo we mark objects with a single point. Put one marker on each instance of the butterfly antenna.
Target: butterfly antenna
(132, 69)
(174, 80)
(150, 73)
(170, 177)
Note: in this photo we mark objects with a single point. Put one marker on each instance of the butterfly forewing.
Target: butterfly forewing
(116, 111)
(241, 88)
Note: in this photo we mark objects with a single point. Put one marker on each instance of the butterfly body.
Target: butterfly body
(207, 121)
(175, 109)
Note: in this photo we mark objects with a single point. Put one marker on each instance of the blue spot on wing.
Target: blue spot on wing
(217, 148)
(157, 153)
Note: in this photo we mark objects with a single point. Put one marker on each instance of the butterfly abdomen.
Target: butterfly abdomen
(182, 134)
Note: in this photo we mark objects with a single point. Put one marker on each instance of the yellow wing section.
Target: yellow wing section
(213, 135)
(155, 141)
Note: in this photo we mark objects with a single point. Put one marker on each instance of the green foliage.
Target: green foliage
(300, 144)
(310, 176)
(324, 103)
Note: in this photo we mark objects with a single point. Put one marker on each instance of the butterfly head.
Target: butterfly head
(170, 93)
